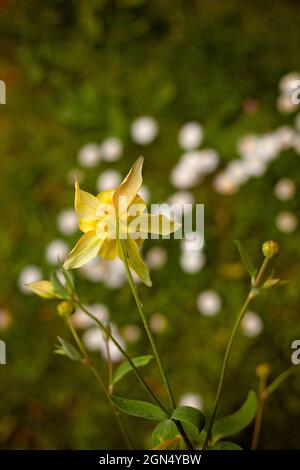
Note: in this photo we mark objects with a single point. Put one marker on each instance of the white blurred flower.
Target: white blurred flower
(94, 341)
(95, 269)
(190, 135)
(285, 136)
(191, 399)
(285, 105)
(286, 222)
(224, 184)
(27, 275)
(111, 149)
(108, 179)
(56, 251)
(247, 145)
(209, 303)
(67, 221)
(81, 320)
(144, 130)
(131, 333)
(158, 323)
(145, 193)
(268, 146)
(199, 161)
(89, 155)
(285, 189)
(255, 166)
(252, 324)
(183, 177)
(192, 242)
(115, 275)
(156, 258)
(236, 171)
(181, 198)
(192, 261)
(287, 82)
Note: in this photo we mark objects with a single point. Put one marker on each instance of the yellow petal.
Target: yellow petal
(43, 289)
(87, 248)
(126, 192)
(106, 197)
(134, 259)
(86, 208)
(109, 249)
(157, 224)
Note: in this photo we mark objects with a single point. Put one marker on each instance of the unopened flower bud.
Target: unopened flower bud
(263, 371)
(65, 308)
(270, 249)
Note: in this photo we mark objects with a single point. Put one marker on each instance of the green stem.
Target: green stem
(264, 393)
(153, 345)
(122, 351)
(102, 384)
(238, 320)
(147, 328)
(279, 380)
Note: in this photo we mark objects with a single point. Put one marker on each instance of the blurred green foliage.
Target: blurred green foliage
(80, 71)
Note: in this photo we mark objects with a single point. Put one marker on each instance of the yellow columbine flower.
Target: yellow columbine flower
(113, 215)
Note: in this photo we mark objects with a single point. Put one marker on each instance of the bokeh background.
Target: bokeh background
(90, 86)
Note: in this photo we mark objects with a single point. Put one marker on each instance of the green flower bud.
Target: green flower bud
(270, 249)
(263, 371)
(65, 308)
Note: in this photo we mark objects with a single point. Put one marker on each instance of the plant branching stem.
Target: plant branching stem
(236, 325)
(89, 362)
(153, 345)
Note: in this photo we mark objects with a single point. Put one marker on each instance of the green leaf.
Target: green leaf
(190, 416)
(239, 420)
(226, 445)
(58, 286)
(246, 259)
(164, 431)
(126, 367)
(67, 349)
(139, 408)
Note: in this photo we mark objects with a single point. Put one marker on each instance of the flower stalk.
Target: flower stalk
(252, 293)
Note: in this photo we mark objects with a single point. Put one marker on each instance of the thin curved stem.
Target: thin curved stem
(153, 345)
(122, 351)
(101, 382)
(236, 325)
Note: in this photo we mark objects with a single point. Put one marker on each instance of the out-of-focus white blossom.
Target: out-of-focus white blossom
(190, 135)
(158, 323)
(286, 222)
(108, 179)
(27, 275)
(252, 324)
(145, 193)
(192, 261)
(111, 149)
(285, 189)
(89, 155)
(144, 130)
(191, 399)
(224, 184)
(81, 320)
(56, 251)
(67, 222)
(209, 303)
(131, 333)
(156, 258)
